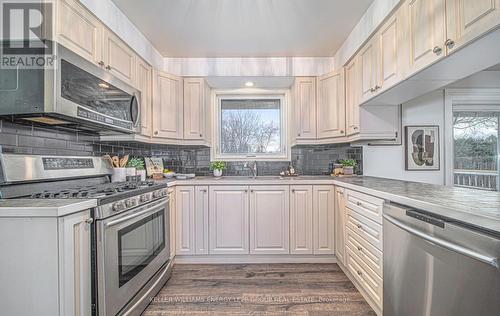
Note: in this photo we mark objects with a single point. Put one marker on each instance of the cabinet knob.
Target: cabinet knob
(156, 133)
(377, 87)
(246, 191)
(341, 132)
(204, 190)
(359, 226)
(89, 220)
(449, 43)
(360, 273)
(293, 190)
(359, 204)
(201, 135)
(437, 50)
(360, 249)
(298, 134)
(108, 67)
(101, 63)
(355, 127)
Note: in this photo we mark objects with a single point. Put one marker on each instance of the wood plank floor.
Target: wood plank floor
(259, 289)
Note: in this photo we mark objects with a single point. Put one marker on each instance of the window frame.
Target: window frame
(459, 100)
(219, 95)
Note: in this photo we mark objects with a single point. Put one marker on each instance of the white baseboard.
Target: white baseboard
(236, 259)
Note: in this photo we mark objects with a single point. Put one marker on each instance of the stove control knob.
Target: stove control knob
(130, 202)
(118, 206)
(144, 198)
(156, 194)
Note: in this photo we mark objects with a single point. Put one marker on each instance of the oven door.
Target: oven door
(131, 248)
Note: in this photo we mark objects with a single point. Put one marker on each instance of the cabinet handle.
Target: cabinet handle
(437, 50)
(89, 220)
(377, 87)
(108, 67)
(101, 63)
(449, 43)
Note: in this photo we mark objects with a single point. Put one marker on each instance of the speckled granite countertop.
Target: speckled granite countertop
(43, 208)
(475, 207)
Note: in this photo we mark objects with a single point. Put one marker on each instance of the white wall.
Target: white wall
(389, 161)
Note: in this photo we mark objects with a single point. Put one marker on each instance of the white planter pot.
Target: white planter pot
(348, 171)
(141, 173)
(217, 173)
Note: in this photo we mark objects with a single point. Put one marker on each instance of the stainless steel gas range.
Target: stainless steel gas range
(130, 226)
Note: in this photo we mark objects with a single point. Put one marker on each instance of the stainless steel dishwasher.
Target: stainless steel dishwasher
(436, 267)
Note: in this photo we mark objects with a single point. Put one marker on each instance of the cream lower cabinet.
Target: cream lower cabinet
(191, 220)
(229, 220)
(74, 264)
(269, 219)
(323, 219)
(340, 217)
(301, 219)
(466, 20)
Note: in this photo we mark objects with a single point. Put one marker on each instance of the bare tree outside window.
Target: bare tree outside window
(250, 126)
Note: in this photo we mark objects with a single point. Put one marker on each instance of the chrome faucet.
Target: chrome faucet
(252, 166)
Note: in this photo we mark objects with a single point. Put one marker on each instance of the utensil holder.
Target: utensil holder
(119, 175)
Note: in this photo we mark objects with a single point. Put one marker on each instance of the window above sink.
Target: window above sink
(250, 125)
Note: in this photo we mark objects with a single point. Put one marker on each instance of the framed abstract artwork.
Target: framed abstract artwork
(422, 148)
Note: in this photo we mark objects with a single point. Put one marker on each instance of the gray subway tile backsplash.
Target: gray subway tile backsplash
(29, 139)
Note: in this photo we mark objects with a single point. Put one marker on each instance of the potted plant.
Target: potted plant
(348, 166)
(138, 164)
(218, 167)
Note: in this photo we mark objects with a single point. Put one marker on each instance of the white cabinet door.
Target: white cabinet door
(201, 220)
(228, 218)
(469, 19)
(390, 42)
(304, 107)
(79, 31)
(119, 59)
(331, 105)
(323, 219)
(269, 219)
(352, 80)
(195, 101)
(74, 257)
(368, 70)
(340, 224)
(426, 32)
(301, 219)
(144, 82)
(185, 220)
(167, 106)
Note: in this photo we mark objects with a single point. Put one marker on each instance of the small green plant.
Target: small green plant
(348, 163)
(218, 165)
(137, 163)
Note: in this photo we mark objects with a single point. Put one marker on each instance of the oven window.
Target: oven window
(139, 244)
(93, 93)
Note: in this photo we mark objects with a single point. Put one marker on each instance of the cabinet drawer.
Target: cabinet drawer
(368, 279)
(365, 251)
(366, 205)
(365, 227)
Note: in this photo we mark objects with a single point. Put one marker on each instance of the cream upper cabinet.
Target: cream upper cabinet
(390, 50)
(340, 216)
(304, 107)
(468, 19)
(195, 108)
(426, 32)
(229, 220)
(167, 106)
(119, 59)
(269, 219)
(144, 82)
(79, 30)
(368, 68)
(323, 219)
(352, 80)
(331, 105)
(301, 232)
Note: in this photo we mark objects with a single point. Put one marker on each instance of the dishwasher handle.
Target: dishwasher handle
(444, 243)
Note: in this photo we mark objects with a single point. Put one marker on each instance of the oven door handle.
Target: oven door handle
(147, 211)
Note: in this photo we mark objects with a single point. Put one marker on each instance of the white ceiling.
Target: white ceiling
(245, 28)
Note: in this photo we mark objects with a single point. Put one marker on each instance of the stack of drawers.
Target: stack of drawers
(363, 242)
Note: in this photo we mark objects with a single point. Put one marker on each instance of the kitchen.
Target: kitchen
(250, 157)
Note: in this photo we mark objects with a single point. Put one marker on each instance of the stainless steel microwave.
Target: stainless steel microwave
(73, 92)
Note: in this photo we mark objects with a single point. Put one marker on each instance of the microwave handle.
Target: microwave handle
(135, 110)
